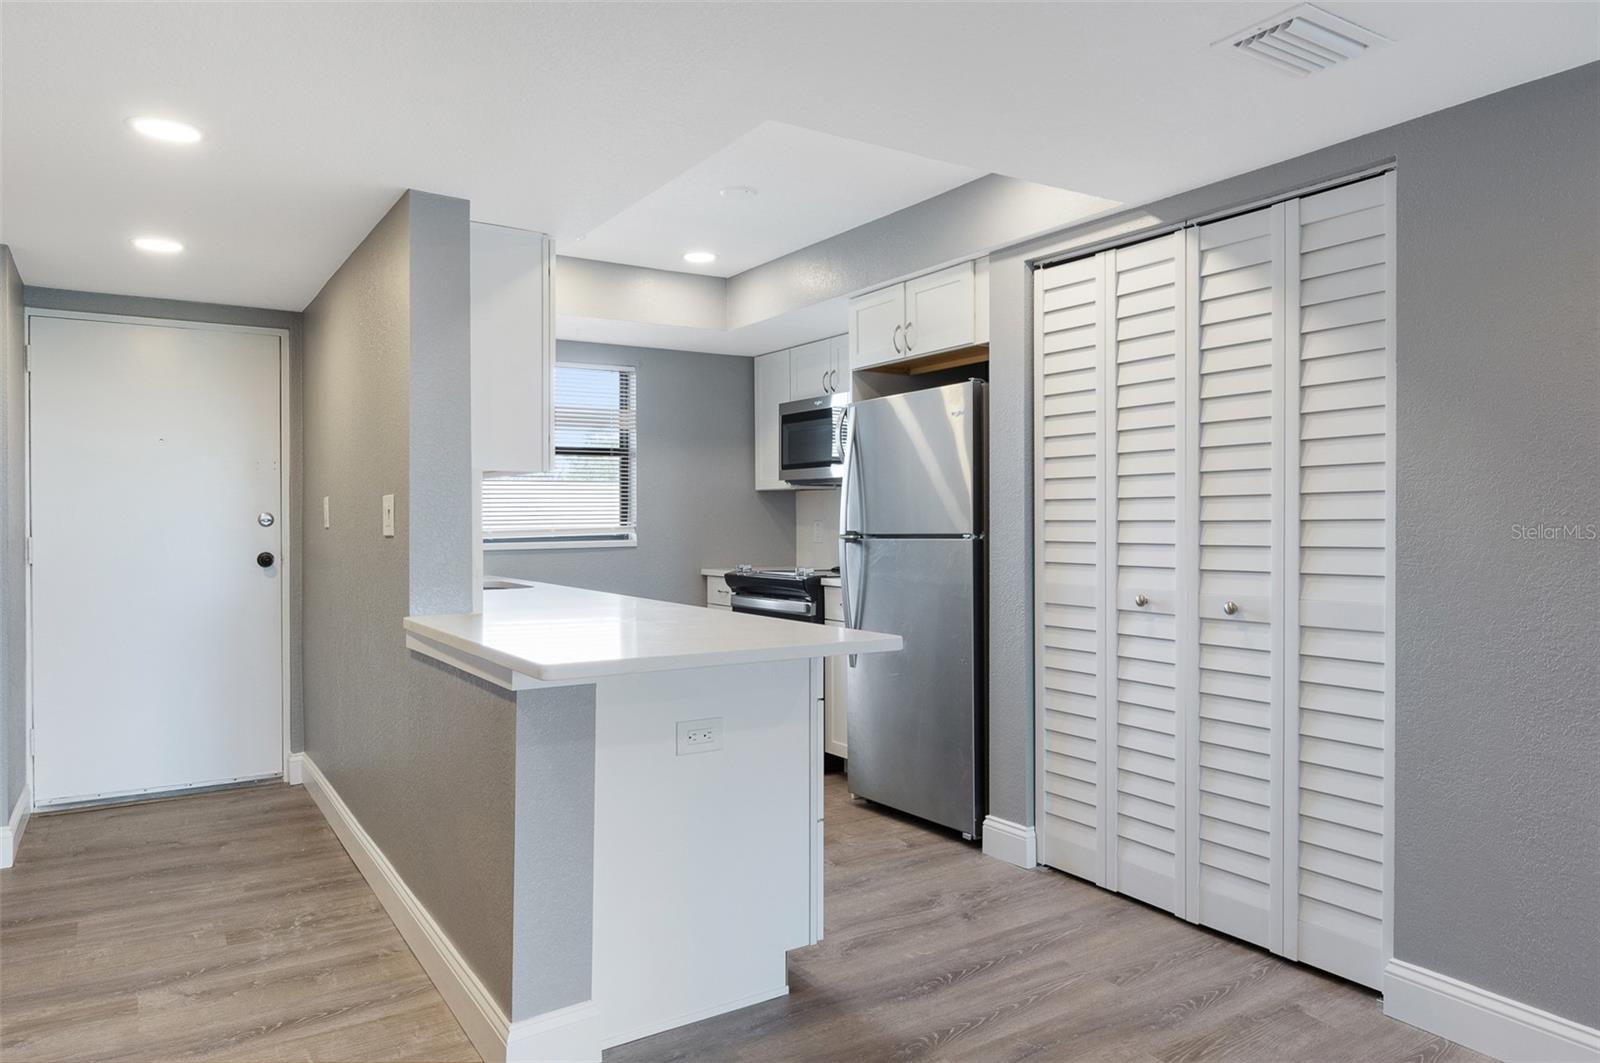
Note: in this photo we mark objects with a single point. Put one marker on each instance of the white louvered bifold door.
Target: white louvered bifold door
(1215, 549)
(1235, 871)
(1069, 353)
(1340, 651)
(1145, 356)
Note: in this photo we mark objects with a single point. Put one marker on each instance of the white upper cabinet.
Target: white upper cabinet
(877, 326)
(811, 370)
(772, 382)
(804, 372)
(513, 349)
(941, 311)
(839, 357)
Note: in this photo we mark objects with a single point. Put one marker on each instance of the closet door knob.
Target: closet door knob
(1141, 601)
(1230, 607)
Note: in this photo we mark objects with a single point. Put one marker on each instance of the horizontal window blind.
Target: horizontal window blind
(589, 493)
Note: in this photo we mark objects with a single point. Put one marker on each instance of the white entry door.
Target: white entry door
(157, 543)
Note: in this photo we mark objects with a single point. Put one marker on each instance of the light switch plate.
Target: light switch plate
(699, 736)
(326, 523)
(388, 516)
(816, 531)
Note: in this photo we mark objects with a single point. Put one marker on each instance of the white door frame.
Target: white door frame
(287, 508)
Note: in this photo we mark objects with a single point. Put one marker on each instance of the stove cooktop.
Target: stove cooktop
(785, 573)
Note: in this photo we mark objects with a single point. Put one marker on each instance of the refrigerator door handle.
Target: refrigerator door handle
(852, 616)
(848, 536)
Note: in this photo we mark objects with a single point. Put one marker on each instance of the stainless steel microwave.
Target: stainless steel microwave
(812, 435)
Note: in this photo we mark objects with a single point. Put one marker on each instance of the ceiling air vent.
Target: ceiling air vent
(1303, 40)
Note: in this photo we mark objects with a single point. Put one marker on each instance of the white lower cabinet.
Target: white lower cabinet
(836, 726)
(718, 594)
(836, 718)
(1215, 552)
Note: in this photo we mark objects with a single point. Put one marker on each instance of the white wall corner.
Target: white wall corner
(474, 1007)
(297, 769)
(1008, 841)
(11, 833)
(566, 1035)
(1483, 1021)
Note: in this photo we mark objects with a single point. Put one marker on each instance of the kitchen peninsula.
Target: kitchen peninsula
(668, 834)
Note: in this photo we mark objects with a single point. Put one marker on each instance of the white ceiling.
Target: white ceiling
(559, 117)
(809, 186)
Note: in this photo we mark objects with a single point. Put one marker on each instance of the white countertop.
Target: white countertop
(551, 633)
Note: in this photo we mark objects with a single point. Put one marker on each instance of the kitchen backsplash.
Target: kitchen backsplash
(816, 516)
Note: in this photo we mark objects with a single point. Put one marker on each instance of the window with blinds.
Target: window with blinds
(589, 495)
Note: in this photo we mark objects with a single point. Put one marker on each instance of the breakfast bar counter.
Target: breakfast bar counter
(668, 807)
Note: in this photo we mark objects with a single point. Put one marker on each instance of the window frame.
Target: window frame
(627, 451)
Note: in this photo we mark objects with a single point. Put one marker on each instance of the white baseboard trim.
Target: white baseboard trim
(469, 999)
(687, 1017)
(1484, 1021)
(296, 773)
(566, 1035)
(1011, 842)
(11, 833)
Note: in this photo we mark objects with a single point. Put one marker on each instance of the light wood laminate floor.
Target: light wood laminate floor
(232, 926)
(936, 952)
(222, 926)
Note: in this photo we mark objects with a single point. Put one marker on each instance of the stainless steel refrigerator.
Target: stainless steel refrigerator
(911, 562)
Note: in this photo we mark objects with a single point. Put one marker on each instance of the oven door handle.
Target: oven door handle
(756, 603)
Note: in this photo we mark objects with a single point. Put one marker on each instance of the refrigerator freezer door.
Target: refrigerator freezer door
(911, 469)
(914, 719)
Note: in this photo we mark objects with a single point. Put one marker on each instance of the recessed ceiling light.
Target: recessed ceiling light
(157, 245)
(699, 258)
(737, 192)
(165, 129)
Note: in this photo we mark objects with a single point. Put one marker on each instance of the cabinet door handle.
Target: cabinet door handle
(1230, 607)
(825, 387)
(909, 344)
(897, 348)
(833, 376)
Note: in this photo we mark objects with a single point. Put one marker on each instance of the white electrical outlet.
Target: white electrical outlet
(326, 523)
(816, 531)
(699, 736)
(388, 516)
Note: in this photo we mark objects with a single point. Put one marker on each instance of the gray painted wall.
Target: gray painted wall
(216, 313)
(13, 573)
(554, 917)
(698, 505)
(423, 755)
(1498, 686)
(440, 476)
(992, 211)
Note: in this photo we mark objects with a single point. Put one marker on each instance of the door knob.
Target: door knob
(1141, 601)
(264, 559)
(1230, 607)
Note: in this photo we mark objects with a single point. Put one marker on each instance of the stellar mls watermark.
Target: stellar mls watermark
(1549, 531)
